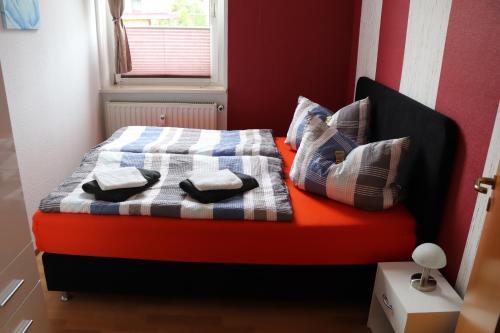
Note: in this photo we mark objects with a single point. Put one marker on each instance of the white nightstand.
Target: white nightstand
(397, 307)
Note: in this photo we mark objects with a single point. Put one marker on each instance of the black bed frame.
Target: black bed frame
(425, 178)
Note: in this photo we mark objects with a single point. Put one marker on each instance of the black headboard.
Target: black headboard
(426, 173)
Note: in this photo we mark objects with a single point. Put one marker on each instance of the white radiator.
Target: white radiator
(188, 115)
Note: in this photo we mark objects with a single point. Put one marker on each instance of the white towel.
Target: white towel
(216, 180)
(112, 179)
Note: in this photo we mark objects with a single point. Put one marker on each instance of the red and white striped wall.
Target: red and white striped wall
(446, 55)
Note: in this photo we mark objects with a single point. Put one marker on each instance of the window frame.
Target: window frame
(218, 55)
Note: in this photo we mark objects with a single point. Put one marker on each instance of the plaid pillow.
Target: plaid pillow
(365, 179)
(296, 129)
(352, 120)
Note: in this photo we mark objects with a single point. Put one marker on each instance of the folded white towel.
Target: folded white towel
(216, 180)
(112, 179)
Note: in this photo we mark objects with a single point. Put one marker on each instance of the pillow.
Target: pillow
(296, 129)
(352, 120)
(365, 179)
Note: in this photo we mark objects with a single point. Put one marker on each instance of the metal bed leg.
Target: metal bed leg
(65, 296)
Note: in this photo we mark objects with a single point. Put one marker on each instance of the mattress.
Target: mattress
(322, 232)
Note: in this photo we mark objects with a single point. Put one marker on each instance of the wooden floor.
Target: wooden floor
(91, 313)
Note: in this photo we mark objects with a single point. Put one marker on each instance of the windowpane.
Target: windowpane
(168, 37)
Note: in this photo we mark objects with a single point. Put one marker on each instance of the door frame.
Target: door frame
(476, 226)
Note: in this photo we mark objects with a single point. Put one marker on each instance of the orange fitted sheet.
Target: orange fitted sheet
(322, 232)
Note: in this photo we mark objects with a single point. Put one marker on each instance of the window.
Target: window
(175, 41)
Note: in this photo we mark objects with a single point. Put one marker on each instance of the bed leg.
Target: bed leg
(65, 296)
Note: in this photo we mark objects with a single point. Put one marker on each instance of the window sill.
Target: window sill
(153, 89)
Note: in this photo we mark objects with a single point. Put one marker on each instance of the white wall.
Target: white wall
(52, 83)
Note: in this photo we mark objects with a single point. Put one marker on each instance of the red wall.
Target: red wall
(351, 84)
(469, 92)
(278, 50)
(391, 44)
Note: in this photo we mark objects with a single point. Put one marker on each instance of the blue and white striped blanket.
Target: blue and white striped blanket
(270, 201)
(173, 140)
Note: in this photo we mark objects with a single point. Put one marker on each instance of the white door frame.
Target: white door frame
(476, 226)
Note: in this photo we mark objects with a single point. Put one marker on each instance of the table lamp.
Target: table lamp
(429, 256)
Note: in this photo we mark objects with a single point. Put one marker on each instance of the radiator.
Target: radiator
(188, 115)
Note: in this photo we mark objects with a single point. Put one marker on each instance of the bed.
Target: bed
(127, 253)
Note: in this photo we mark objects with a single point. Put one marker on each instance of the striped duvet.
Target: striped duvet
(270, 201)
(174, 140)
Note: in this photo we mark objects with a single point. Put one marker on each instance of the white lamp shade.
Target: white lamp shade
(429, 255)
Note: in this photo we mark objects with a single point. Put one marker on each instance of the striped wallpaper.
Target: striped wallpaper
(444, 54)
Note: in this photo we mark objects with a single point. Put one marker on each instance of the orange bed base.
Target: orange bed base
(322, 232)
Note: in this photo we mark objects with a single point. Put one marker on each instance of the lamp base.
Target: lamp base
(416, 282)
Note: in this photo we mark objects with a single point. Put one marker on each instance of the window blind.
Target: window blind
(169, 51)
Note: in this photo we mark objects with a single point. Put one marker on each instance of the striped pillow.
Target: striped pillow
(365, 179)
(352, 120)
(296, 129)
